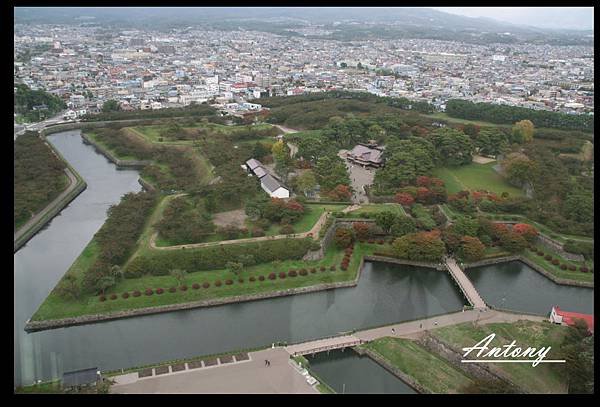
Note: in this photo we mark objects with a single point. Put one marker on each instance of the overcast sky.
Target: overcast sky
(581, 18)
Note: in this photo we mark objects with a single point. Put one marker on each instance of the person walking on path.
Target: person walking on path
(420, 325)
(393, 331)
(266, 362)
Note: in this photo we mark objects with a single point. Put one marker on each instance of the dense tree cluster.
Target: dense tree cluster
(421, 246)
(46, 105)
(184, 221)
(117, 238)
(38, 176)
(331, 171)
(188, 111)
(504, 114)
(452, 146)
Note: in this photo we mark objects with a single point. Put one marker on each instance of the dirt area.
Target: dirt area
(359, 177)
(235, 217)
(478, 159)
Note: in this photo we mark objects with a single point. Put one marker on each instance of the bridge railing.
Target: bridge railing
(328, 347)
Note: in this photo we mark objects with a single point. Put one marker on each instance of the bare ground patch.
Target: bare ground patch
(482, 160)
(236, 217)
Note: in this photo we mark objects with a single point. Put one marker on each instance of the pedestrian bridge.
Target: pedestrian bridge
(321, 345)
(464, 283)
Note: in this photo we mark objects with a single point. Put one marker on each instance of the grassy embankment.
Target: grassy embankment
(475, 177)
(544, 378)
(555, 270)
(371, 209)
(427, 369)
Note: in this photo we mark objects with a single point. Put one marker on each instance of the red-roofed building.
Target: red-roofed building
(559, 316)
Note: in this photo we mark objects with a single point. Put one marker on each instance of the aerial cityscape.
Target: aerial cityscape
(304, 200)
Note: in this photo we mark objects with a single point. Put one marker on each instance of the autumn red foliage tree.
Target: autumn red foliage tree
(527, 231)
(404, 198)
(340, 193)
(343, 237)
(471, 249)
(361, 229)
(420, 246)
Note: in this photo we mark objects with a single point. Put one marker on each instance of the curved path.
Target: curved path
(39, 216)
(313, 232)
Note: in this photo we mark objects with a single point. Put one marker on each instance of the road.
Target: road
(38, 216)
(41, 125)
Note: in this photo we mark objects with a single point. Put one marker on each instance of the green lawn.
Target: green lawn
(545, 377)
(475, 177)
(152, 133)
(556, 270)
(427, 369)
(55, 307)
(376, 208)
(93, 136)
(444, 116)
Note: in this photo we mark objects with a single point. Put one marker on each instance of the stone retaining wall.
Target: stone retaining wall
(33, 326)
(405, 262)
(478, 370)
(112, 158)
(392, 369)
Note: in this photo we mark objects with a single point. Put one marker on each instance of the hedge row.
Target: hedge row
(215, 257)
(218, 283)
(556, 261)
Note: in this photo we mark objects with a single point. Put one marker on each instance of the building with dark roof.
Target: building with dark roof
(366, 156)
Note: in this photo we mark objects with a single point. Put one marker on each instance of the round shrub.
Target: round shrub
(289, 271)
(272, 276)
(371, 241)
(303, 272)
(195, 286)
(102, 298)
(380, 241)
(113, 296)
(240, 280)
(172, 289)
(159, 291)
(218, 283)
(572, 267)
(282, 274)
(205, 285)
(252, 278)
(262, 278)
(125, 295)
(183, 288)
(540, 253)
(344, 267)
(149, 291)
(136, 293)
(313, 270)
(583, 269)
(563, 266)
(228, 282)
(556, 262)
(322, 268)
(548, 257)
(332, 268)
(292, 273)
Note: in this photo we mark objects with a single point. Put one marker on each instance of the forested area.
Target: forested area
(189, 111)
(38, 176)
(117, 238)
(46, 104)
(504, 114)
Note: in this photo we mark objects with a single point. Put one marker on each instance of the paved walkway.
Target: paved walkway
(244, 377)
(359, 177)
(313, 232)
(465, 284)
(38, 216)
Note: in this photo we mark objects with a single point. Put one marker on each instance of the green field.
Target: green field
(371, 209)
(556, 270)
(475, 177)
(427, 369)
(545, 377)
(55, 307)
(152, 133)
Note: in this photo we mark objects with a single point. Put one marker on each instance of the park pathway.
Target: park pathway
(321, 345)
(38, 216)
(313, 232)
(465, 284)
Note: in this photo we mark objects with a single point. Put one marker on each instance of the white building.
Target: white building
(272, 187)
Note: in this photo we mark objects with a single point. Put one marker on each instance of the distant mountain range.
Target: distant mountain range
(373, 22)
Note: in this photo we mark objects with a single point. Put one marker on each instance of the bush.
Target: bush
(102, 298)
(228, 282)
(322, 268)
(136, 293)
(183, 287)
(381, 241)
(149, 291)
(548, 257)
(563, 266)
(125, 295)
(344, 267)
(313, 270)
(272, 276)
(583, 269)
(286, 230)
(173, 289)
(257, 232)
(205, 285)
(282, 274)
(113, 296)
(159, 291)
(195, 286)
(252, 279)
(540, 253)
(262, 278)
(332, 268)
(240, 280)
(303, 272)
(556, 262)
(584, 248)
(292, 273)
(218, 283)
(572, 267)
(344, 237)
